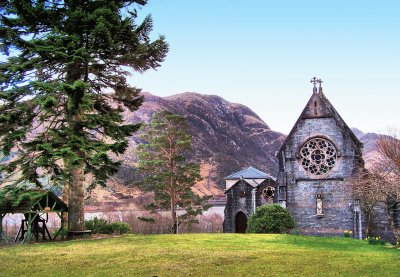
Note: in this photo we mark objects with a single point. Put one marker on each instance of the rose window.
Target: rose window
(318, 156)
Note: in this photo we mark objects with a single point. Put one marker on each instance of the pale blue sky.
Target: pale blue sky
(263, 53)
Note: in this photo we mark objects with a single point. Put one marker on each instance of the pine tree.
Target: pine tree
(163, 159)
(63, 89)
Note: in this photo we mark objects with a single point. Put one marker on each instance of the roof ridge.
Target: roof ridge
(236, 173)
(250, 171)
(258, 170)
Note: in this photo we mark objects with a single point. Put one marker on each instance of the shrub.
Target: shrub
(98, 226)
(101, 226)
(270, 219)
(120, 228)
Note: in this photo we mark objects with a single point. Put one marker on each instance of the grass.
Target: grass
(201, 255)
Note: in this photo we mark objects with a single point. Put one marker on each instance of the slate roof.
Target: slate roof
(249, 173)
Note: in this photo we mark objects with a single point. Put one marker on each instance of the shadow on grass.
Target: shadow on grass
(329, 243)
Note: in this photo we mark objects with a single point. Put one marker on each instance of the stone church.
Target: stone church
(316, 161)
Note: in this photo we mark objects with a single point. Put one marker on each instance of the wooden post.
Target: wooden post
(2, 234)
(62, 229)
(29, 232)
(62, 225)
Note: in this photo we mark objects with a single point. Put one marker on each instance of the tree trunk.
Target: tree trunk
(173, 216)
(76, 215)
(172, 190)
(76, 219)
(368, 215)
(65, 198)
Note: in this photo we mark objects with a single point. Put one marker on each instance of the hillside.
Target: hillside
(370, 151)
(226, 137)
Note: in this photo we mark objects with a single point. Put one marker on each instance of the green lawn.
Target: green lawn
(201, 255)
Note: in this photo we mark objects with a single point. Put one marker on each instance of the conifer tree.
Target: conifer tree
(63, 89)
(163, 159)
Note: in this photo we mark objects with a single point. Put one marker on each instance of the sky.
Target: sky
(263, 54)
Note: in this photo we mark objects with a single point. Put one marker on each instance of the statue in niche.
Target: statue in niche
(319, 204)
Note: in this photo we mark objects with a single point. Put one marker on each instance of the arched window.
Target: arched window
(315, 108)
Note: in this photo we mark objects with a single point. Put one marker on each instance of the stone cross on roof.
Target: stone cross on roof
(320, 85)
(315, 82)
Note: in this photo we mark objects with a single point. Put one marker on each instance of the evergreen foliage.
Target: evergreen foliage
(63, 89)
(101, 226)
(163, 160)
(270, 219)
(11, 197)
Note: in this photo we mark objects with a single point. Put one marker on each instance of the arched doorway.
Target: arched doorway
(240, 222)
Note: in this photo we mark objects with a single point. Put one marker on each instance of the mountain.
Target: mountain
(370, 151)
(226, 137)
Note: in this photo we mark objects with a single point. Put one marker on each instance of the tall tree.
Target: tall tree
(163, 159)
(389, 168)
(63, 88)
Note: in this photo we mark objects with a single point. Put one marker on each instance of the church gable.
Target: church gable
(241, 185)
(319, 107)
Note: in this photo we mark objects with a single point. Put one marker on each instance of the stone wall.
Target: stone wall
(302, 186)
(380, 224)
(337, 208)
(260, 200)
(239, 199)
